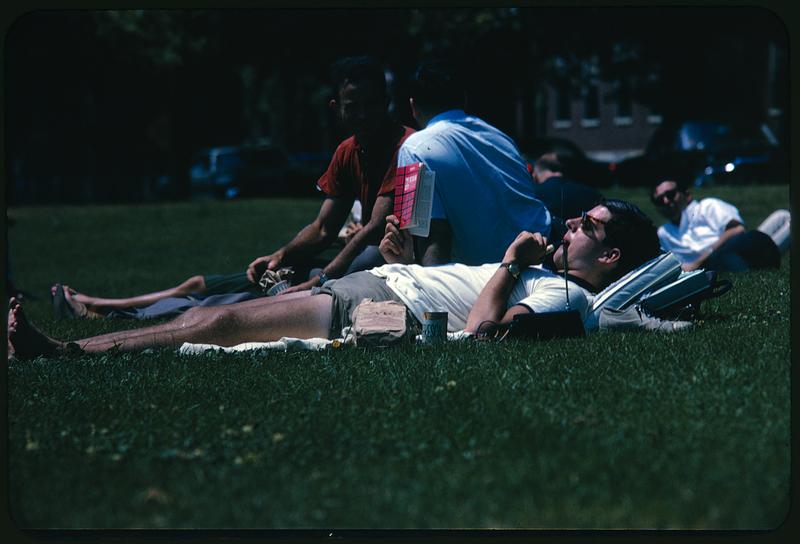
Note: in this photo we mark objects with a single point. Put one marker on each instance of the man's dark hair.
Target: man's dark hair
(630, 230)
(549, 161)
(680, 178)
(358, 69)
(436, 86)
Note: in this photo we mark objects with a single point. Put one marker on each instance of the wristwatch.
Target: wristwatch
(323, 277)
(513, 269)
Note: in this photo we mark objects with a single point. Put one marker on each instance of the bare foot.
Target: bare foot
(26, 341)
(68, 305)
(79, 298)
(81, 309)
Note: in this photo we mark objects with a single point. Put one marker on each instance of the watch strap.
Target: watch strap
(513, 269)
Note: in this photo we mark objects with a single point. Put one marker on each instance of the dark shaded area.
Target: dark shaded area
(111, 106)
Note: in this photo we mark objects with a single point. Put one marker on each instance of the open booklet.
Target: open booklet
(413, 198)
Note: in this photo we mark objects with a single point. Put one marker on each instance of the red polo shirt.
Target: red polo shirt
(357, 172)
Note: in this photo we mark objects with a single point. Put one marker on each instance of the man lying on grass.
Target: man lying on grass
(599, 247)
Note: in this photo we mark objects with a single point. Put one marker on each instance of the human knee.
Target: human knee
(221, 318)
(778, 227)
(776, 220)
(195, 284)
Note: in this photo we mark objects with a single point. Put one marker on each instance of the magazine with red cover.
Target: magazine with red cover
(413, 198)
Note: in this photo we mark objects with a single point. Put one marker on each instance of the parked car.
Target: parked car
(250, 171)
(577, 165)
(707, 152)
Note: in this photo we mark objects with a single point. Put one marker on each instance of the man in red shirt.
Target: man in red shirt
(363, 167)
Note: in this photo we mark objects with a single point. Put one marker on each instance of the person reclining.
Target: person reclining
(710, 233)
(598, 248)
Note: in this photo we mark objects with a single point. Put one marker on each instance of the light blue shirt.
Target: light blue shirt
(482, 185)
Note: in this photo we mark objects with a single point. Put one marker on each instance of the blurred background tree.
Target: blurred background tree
(100, 105)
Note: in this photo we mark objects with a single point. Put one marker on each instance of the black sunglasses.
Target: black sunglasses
(658, 200)
(588, 222)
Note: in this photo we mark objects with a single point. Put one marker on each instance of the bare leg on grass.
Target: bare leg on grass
(193, 286)
(258, 320)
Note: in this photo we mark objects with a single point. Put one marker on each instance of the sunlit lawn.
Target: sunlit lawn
(631, 430)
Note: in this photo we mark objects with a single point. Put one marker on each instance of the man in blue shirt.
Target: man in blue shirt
(483, 191)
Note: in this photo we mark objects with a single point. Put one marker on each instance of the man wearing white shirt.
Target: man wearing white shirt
(483, 194)
(710, 233)
(598, 248)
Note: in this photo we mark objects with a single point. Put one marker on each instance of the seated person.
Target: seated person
(361, 103)
(563, 196)
(710, 233)
(483, 196)
(352, 225)
(603, 244)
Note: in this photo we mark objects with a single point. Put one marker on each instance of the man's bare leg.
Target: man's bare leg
(193, 286)
(258, 320)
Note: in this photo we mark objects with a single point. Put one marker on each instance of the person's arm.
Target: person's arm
(311, 239)
(369, 234)
(732, 229)
(435, 249)
(527, 249)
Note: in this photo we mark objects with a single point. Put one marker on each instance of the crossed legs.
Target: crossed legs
(299, 315)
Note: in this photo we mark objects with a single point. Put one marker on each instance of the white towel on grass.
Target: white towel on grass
(284, 344)
(287, 344)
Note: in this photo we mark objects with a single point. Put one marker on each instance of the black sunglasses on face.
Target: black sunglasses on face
(588, 223)
(658, 200)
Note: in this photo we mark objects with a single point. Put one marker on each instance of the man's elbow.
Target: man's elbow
(327, 234)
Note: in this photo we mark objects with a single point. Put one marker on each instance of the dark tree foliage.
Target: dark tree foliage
(100, 104)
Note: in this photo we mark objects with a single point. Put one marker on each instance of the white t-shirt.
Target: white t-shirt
(482, 185)
(702, 223)
(454, 288)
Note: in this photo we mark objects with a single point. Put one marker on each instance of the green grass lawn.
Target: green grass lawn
(618, 430)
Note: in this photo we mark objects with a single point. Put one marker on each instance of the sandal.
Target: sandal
(67, 309)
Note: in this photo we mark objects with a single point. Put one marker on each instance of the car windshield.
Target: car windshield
(711, 136)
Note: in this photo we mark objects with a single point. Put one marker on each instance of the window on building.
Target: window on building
(654, 106)
(624, 103)
(591, 106)
(563, 110)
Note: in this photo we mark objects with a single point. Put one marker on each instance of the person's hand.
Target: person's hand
(688, 267)
(699, 262)
(351, 230)
(528, 248)
(396, 246)
(262, 264)
(306, 285)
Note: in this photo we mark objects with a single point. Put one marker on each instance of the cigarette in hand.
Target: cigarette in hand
(549, 249)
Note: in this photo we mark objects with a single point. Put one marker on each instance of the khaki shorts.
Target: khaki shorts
(348, 292)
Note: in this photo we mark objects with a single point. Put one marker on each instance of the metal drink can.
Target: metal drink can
(434, 327)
